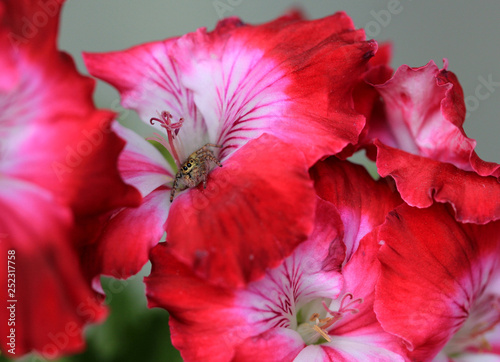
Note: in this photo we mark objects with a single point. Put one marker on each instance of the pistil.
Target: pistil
(172, 129)
(317, 327)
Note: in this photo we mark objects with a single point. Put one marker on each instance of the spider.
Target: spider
(195, 169)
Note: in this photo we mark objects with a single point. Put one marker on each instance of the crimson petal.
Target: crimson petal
(50, 325)
(421, 180)
(417, 129)
(256, 209)
(351, 189)
(433, 270)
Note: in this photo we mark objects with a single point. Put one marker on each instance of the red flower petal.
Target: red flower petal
(433, 269)
(279, 344)
(421, 180)
(52, 300)
(65, 146)
(128, 236)
(422, 114)
(78, 163)
(351, 189)
(254, 212)
(32, 26)
(425, 111)
(193, 303)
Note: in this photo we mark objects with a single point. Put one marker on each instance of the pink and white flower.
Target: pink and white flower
(317, 305)
(276, 97)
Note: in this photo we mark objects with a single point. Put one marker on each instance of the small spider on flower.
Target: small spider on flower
(195, 169)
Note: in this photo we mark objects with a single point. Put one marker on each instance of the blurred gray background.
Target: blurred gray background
(465, 32)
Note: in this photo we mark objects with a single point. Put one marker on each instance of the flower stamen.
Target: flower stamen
(166, 123)
(344, 308)
(172, 129)
(483, 327)
(317, 327)
(321, 324)
(322, 332)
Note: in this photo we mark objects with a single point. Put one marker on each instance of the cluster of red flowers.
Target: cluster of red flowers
(288, 251)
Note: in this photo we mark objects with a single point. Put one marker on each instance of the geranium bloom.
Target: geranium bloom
(273, 99)
(417, 130)
(57, 170)
(439, 286)
(317, 305)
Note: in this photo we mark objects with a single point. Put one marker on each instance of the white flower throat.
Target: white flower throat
(195, 168)
(315, 326)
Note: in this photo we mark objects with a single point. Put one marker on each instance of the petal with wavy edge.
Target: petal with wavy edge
(48, 118)
(200, 313)
(425, 111)
(263, 83)
(239, 81)
(420, 181)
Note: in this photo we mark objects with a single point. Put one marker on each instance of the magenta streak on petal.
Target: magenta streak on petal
(165, 77)
(248, 78)
(241, 85)
(181, 104)
(281, 295)
(222, 154)
(234, 130)
(483, 317)
(235, 138)
(240, 100)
